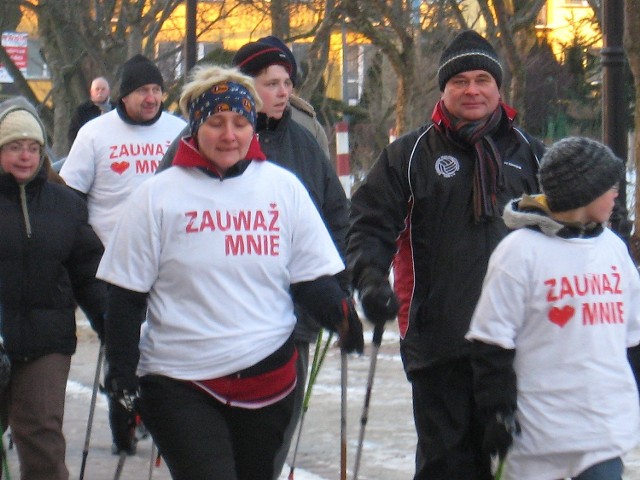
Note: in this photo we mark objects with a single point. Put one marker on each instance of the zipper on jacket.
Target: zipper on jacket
(25, 210)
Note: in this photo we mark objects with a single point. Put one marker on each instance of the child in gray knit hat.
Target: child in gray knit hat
(559, 308)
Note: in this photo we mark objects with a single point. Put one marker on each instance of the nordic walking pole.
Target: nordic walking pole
(152, 461)
(94, 394)
(318, 359)
(5, 461)
(343, 416)
(377, 340)
(120, 466)
(500, 470)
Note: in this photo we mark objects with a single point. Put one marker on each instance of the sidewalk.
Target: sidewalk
(389, 438)
(389, 442)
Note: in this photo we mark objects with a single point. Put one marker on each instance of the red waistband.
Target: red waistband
(260, 389)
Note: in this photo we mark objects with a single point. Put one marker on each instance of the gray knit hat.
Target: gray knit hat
(19, 120)
(468, 51)
(20, 125)
(577, 170)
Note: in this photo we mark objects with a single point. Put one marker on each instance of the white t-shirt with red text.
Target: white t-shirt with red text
(110, 158)
(217, 258)
(570, 308)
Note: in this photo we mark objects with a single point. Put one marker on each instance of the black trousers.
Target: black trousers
(200, 438)
(448, 424)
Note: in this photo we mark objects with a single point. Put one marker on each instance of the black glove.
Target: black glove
(123, 417)
(378, 301)
(498, 434)
(97, 323)
(633, 355)
(350, 331)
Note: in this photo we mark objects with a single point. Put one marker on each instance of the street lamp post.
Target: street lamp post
(190, 36)
(613, 99)
(614, 129)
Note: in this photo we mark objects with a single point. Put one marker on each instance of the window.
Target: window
(357, 62)
(170, 60)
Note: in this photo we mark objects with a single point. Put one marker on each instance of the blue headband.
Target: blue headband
(222, 97)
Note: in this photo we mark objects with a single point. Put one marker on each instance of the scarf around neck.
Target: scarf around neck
(189, 156)
(488, 161)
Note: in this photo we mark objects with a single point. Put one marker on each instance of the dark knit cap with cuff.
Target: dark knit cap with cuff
(276, 42)
(577, 170)
(254, 57)
(468, 51)
(137, 72)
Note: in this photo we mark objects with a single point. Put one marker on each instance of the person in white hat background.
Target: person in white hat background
(49, 255)
(558, 317)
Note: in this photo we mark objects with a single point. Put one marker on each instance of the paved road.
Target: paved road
(388, 448)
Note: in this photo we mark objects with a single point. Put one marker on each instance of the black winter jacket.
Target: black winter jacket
(415, 209)
(83, 113)
(48, 259)
(293, 147)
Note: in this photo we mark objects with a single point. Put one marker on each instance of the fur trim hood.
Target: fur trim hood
(532, 211)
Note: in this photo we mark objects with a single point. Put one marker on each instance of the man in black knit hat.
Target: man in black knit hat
(431, 206)
(110, 157)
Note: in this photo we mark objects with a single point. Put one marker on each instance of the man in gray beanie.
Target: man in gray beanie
(556, 329)
(431, 206)
(112, 155)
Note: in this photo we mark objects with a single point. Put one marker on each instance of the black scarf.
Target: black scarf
(488, 165)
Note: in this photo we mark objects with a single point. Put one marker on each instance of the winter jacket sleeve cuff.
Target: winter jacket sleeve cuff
(494, 379)
(322, 299)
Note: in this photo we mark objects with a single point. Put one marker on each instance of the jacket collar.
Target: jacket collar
(189, 156)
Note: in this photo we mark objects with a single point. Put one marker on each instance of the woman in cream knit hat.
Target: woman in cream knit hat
(48, 259)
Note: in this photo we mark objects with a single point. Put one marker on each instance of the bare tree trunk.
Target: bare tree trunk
(280, 18)
(515, 24)
(318, 55)
(396, 42)
(63, 56)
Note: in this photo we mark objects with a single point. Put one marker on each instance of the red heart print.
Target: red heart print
(119, 167)
(561, 316)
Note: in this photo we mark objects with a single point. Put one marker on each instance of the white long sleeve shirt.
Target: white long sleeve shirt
(110, 158)
(217, 258)
(569, 308)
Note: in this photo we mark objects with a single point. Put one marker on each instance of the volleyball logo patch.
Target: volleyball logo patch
(447, 166)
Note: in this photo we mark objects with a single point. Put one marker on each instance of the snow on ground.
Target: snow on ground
(387, 450)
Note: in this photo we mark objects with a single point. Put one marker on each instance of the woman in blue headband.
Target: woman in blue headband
(212, 253)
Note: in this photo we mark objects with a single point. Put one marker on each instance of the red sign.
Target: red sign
(15, 44)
